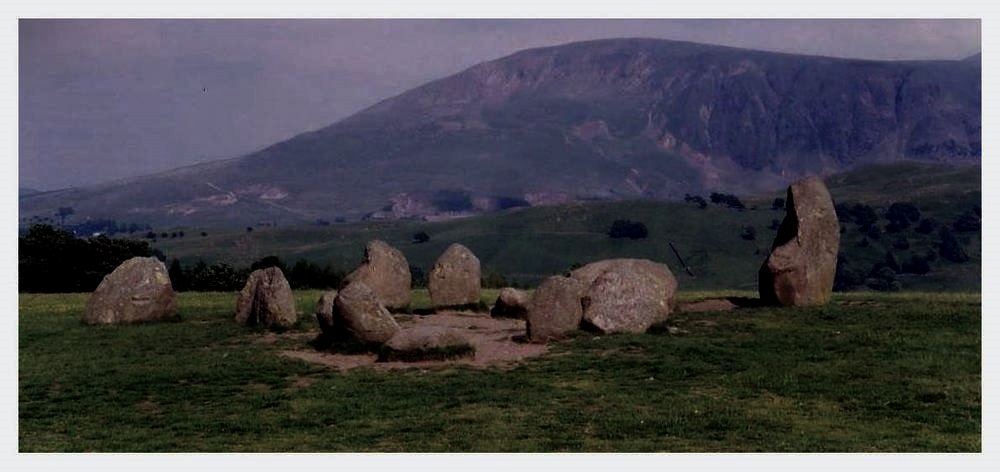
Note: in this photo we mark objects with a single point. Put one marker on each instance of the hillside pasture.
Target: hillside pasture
(866, 373)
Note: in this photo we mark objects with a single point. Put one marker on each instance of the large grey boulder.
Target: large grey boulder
(386, 272)
(266, 300)
(137, 290)
(800, 268)
(324, 311)
(555, 309)
(626, 295)
(358, 314)
(455, 278)
(511, 303)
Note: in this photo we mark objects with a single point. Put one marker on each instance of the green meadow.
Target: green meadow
(870, 372)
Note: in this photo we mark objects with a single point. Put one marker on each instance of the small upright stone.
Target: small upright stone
(511, 303)
(137, 290)
(324, 311)
(455, 278)
(386, 272)
(266, 300)
(800, 269)
(555, 309)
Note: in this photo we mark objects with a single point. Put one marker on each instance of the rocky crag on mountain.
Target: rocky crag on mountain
(606, 119)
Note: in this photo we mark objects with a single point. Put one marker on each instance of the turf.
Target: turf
(867, 373)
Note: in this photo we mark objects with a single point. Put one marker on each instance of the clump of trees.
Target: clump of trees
(222, 277)
(52, 260)
(628, 229)
(912, 250)
(727, 199)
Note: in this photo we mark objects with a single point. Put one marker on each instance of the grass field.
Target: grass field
(867, 373)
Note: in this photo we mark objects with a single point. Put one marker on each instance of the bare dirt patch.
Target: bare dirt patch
(493, 338)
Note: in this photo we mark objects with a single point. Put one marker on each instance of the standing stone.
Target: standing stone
(455, 278)
(359, 314)
(555, 310)
(511, 303)
(324, 311)
(137, 290)
(626, 295)
(799, 270)
(266, 300)
(386, 272)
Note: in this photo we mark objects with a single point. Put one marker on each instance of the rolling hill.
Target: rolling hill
(527, 244)
(620, 119)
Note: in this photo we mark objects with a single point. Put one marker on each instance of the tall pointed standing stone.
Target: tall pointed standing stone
(803, 260)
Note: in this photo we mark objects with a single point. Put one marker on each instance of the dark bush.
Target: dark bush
(848, 276)
(628, 229)
(950, 248)
(52, 260)
(421, 237)
(748, 233)
(967, 222)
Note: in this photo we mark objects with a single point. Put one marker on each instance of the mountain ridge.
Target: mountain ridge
(602, 119)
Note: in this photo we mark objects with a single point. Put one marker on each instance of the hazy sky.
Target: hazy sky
(105, 99)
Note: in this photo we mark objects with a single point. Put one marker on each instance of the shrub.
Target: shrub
(950, 248)
(628, 229)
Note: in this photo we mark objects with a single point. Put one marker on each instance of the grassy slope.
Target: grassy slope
(869, 372)
(529, 244)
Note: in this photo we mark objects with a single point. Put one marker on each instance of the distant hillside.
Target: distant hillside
(597, 120)
(528, 244)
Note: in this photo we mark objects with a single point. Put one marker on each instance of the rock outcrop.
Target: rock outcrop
(137, 290)
(386, 272)
(266, 300)
(455, 279)
(800, 269)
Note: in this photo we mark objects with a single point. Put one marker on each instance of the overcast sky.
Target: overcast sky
(106, 99)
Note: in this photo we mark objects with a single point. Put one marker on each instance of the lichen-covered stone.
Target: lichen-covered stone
(555, 309)
(511, 303)
(324, 311)
(266, 300)
(137, 290)
(358, 314)
(455, 278)
(386, 272)
(626, 295)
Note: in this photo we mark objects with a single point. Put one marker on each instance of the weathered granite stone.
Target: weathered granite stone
(324, 311)
(358, 314)
(626, 295)
(455, 278)
(266, 300)
(386, 272)
(800, 268)
(137, 290)
(511, 303)
(555, 309)
(425, 343)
